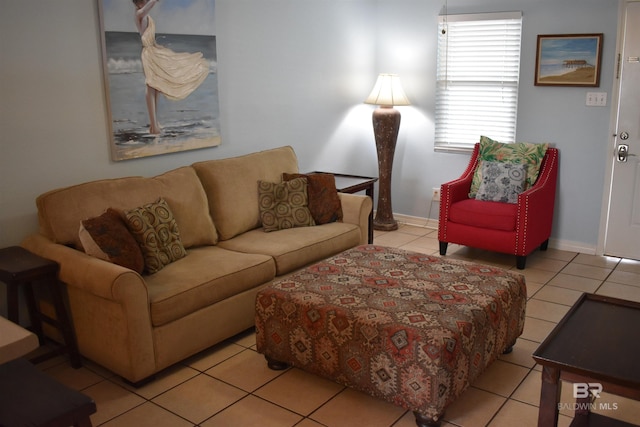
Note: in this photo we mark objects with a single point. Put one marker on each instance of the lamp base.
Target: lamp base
(388, 225)
(386, 123)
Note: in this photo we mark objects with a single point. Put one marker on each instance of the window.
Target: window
(477, 79)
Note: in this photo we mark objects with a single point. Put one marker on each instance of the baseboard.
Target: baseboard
(417, 221)
(567, 245)
(563, 245)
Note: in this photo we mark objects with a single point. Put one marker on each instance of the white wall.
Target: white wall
(291, 72)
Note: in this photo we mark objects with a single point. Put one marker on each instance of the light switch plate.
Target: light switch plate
(596, 99)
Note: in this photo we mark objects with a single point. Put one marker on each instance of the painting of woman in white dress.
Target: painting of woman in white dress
(160, 62)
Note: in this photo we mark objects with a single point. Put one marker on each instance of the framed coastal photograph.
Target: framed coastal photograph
(160, 71)
(568, 60)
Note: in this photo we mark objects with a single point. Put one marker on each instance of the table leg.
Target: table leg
(369, 192)
(32, 306)
(549, 397)
(64, 324)
(13, 302)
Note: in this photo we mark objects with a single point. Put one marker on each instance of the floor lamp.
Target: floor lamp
(386, 93)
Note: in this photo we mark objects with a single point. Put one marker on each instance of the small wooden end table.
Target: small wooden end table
(29, 397)
(595, 346)
(353, 184)
(19, 267)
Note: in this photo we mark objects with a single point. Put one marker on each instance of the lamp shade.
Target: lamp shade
(387, 91)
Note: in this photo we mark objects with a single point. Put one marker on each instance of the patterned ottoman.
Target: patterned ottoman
(405, 327)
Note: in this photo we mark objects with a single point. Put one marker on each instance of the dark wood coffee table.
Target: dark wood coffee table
(598, 342)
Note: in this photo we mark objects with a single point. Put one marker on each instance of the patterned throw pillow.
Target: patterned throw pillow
(324, 202)
(502, 182)
(284, 205)
(107, 237)
(519, 152)
(156, 231)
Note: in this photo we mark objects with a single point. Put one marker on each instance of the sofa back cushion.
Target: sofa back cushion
(60, 211)
(232, 186)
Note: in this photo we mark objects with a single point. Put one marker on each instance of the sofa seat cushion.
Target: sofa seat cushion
(296, 247)
(205, 276)
(484, 214)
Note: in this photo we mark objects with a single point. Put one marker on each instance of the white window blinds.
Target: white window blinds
(477, 79)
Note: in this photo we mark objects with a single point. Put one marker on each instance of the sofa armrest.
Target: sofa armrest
(109, 306)
(93, 275)
(355, 210)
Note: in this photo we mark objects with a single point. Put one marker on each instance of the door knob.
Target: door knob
(623, 152)
(624, 136)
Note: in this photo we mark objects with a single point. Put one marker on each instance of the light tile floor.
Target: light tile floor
(230, 384)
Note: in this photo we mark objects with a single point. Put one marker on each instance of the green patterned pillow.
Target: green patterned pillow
(156, 231)
(284, 205)
(520, 152)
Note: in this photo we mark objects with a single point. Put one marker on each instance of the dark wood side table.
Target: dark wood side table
(21, 268)
(353, 184)
(597, 342)
(29, 397)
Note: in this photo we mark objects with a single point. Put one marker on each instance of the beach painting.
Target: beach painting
(568, 60)
(182, 27)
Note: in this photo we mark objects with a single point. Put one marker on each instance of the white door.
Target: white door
(622, 237)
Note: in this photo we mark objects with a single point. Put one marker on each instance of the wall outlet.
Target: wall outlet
(435, 194)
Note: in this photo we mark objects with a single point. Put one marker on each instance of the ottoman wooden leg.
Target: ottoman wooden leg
(276, 365)
(422, 421)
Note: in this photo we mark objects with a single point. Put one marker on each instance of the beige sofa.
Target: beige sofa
(136, 325)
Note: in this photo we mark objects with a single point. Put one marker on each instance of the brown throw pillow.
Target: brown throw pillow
(324, 202)
(284, 205)
(156, 231)
(107, 237)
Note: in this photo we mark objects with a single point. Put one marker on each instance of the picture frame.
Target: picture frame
(568, 60)
(186, 118)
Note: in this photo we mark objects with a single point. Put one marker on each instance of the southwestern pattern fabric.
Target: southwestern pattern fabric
(405, 327)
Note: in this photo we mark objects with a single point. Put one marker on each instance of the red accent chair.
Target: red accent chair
(508, 228)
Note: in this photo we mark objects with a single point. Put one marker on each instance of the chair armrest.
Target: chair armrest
(458, 189)
(355, 210)
(455, 191)
(536, 205)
